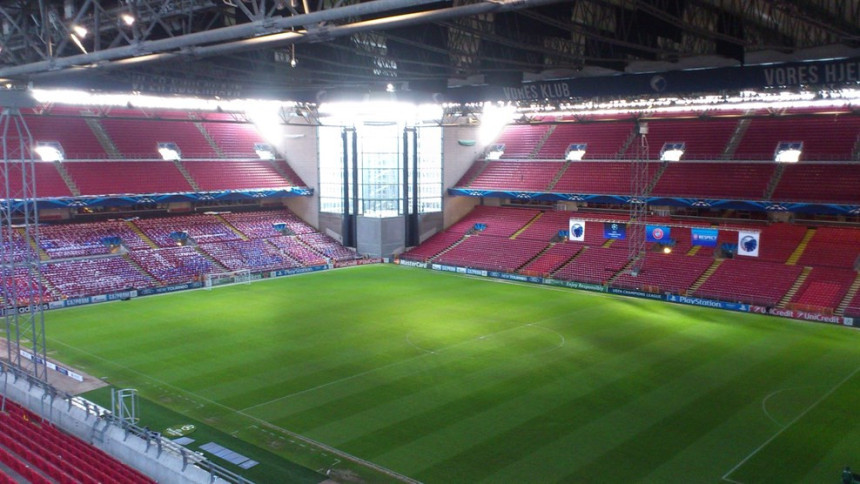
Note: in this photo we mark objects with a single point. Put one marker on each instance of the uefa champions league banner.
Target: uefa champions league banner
(657, 233)
(748, 243)
(576, 232)
(704, 237)
(614, 230)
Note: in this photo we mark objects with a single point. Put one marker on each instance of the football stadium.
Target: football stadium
(389, 241)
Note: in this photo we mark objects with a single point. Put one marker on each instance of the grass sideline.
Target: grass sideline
(446, 378)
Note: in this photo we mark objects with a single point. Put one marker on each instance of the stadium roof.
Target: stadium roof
(278, 47)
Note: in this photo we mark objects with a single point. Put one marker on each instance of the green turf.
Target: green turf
(445, 378)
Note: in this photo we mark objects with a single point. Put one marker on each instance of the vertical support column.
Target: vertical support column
(410, 192)
(22, 280)
(636, 236)
(348, 223)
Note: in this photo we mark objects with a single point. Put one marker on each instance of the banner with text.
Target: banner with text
(704, 237)
(577, 230)
(614, 230)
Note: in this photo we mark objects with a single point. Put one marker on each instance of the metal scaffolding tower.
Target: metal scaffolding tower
(22, 281)
(638, 207)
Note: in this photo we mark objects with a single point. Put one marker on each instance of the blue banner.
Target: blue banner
(704, 237)
(657, 233)
(708, 303)
(614, 230)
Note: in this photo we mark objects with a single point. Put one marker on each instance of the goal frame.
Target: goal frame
(223, 279)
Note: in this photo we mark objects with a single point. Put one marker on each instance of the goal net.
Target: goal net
(219, 279)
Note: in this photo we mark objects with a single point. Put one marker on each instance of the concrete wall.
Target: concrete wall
(456, 160)
(381, 237)
(300, 148)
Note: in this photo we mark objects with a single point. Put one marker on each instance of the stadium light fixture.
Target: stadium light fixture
(264, 151)
(169, 151)
(127, 19)
(575, 151)
(49, 151)
(494, 118)
(788, 152)
(79, 31)
(672, 151)
(495, 152)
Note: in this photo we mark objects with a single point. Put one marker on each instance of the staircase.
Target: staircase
(774, 181)
(104, 140)
(622, 271)
(140, 268)
(705, 275)
(219, 267)
(855, 153)
(801, 247)
(608, 243)
(786, 298)
(187, 175)
(477, 172)
(446, 249)
(572, 258)
(67, 178)
(526, 226)
(629, 141)
(542, 140)
(140, 234)
(542, 252)
(849, 296)
(209, 139)
(41, 253)
(656, 177)
(281, 172)
(232, 228)
(558, 176)
(694, 250)
(736, 138)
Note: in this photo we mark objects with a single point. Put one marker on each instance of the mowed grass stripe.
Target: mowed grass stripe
(472, 393)
(760, 418)
(616, 386)
(343, 356)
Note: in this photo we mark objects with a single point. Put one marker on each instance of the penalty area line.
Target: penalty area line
(787, 426)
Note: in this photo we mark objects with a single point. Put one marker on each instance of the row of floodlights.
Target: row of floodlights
(53, 151)
(785, 152)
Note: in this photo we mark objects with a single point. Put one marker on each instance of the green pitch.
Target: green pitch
(445, 378)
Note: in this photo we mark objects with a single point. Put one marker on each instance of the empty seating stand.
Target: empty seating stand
(533, 176)
(71, 131)
(825, 137)
(715, 180)
(819, 182)
(751, 281)
(235, 175)
(40, 453)
(127, 177)
(604, 139)
(704, 139)
(521, 140)
(138, 138)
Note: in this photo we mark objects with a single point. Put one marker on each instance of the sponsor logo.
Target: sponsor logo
(412, 263)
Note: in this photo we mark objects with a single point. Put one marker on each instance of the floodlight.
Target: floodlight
(575, 151)
(127, 19)
(672, 151)
(788, 151)
(495, 152)
(667, 250)
(494, 118)
(264, 151)
(80, 31)
(169, 151)
(49, 151)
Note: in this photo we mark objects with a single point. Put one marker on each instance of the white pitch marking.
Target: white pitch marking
(788, 425)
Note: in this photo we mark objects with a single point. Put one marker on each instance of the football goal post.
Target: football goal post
(219, 279)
